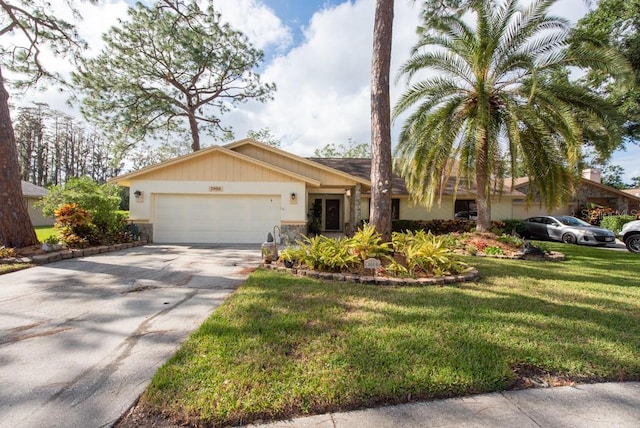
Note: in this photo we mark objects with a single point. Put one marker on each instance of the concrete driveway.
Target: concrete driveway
(81, 338)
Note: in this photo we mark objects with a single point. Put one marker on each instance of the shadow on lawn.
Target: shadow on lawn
(303, 346)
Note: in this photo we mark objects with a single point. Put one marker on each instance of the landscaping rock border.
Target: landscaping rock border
(472, 275)
(54, 256)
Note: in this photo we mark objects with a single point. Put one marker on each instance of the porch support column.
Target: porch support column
(355, 214)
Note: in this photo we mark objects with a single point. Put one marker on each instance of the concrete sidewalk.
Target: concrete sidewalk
(597, 405)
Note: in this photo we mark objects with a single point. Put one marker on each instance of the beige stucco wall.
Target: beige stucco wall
(500, 209)
(293, 211)
(521, 211)
(37, 218)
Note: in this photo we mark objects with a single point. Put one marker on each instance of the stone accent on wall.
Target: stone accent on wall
(145, 230)
(292, 232)
(614, 201)
(587, 193)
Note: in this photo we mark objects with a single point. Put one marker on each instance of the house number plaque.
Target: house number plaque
(372, 264)
(216, 188)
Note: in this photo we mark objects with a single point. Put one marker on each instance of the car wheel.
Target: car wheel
(569, 238)
(633, 243)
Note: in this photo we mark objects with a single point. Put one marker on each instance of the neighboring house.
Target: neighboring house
(591, 192)
(633, 192)
(240, 192)
(30, 195)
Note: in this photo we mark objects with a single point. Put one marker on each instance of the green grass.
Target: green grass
(13, 267)
(283, 346)
(43, 232)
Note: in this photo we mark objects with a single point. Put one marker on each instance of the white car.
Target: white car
(630, 235)
(567, 229)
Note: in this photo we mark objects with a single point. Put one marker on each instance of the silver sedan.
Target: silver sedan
(567, 229)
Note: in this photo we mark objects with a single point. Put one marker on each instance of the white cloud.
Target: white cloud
(323, 84)
(257, 21)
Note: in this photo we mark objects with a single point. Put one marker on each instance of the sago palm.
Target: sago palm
(494, 90)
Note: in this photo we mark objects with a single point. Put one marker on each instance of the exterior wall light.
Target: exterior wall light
(137, 193)
(293, 196)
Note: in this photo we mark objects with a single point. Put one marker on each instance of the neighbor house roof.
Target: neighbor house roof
(30, 190)
(626, 193)
(633, 192)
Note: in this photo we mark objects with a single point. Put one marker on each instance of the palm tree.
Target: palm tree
(496, 90)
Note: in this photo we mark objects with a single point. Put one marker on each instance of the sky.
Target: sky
(317, 52)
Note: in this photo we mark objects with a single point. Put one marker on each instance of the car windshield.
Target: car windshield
(572, 221)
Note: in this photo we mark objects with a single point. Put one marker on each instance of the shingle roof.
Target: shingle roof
(33, 191)
(362, 168)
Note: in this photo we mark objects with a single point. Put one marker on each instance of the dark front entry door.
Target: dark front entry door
(332, 214)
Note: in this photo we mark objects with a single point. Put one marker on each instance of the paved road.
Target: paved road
(80, 338)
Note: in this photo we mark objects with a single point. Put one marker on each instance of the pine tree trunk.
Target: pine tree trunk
(381, 166)
(16, 230)
(195, 134)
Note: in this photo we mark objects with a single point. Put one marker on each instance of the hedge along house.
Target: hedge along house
(238, 193)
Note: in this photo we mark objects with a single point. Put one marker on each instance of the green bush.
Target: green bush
(366, 243)
(512, 226)
(511, 240)
(437, 227)
(327, 254)
(615, 222)
(442, 227)
(493, 251)
(107, 224)
(425, 253)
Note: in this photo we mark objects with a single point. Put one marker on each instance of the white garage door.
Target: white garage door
(205, 219)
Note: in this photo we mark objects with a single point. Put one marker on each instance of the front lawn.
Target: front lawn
(43, 232)
(283, 346)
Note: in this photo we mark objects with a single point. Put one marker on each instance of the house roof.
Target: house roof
(125, 179)
(30, 190)
(362, 179)
(362, 168)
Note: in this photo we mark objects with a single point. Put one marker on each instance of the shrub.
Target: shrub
(75, 226)
(512, 226)
(511, 240)
(7, 252)
(366, 243)
(493, 251)
(597, 213)
(615, 222)
(322, 253)
(437, 227)
(291, 256)
(107, 224)
(51, 240)
(426, 253)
